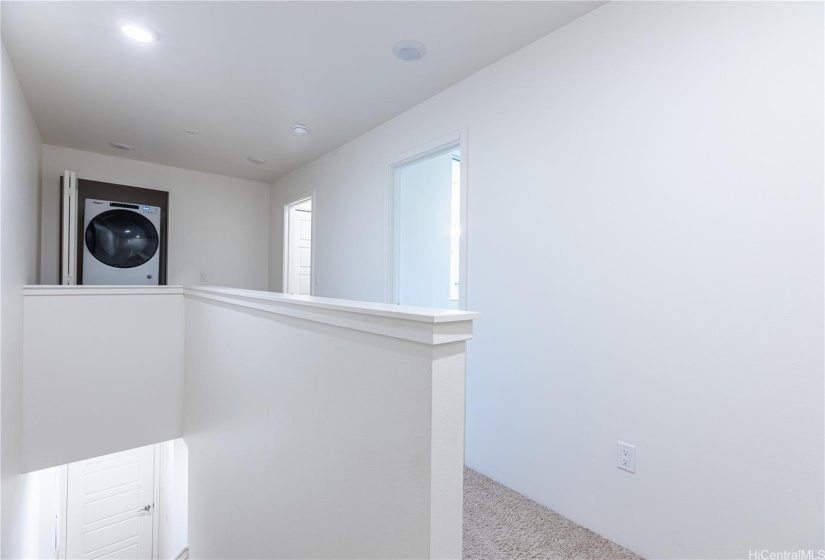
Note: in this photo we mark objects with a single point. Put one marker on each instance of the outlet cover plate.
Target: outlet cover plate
(626, 456)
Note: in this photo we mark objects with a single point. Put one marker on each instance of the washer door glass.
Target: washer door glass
(121, 238)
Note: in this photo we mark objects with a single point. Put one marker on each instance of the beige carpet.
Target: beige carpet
(500, 524)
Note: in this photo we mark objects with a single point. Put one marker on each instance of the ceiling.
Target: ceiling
(241, 74)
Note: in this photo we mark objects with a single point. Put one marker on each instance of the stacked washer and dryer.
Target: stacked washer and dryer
(121, 243)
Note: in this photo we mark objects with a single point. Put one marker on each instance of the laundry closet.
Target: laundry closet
(112, 234)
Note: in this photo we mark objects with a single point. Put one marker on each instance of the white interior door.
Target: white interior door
(300, 248)
(110, 506)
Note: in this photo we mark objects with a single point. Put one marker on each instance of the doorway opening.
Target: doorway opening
(298, 247)
(131, 504)
(428, 215)
(112, 234)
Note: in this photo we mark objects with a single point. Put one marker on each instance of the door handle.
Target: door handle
(147, 507)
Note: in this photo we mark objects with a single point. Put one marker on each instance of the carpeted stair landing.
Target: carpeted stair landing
(501, 524)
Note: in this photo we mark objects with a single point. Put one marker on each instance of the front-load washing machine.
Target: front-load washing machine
(121, 244)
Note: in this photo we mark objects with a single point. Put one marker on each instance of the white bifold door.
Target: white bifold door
(68, 234)
(110, 506)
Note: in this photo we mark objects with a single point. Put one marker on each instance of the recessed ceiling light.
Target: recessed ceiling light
(255, 160)
(120, 146)
(409, 51)
(139, 31)
(299, 130)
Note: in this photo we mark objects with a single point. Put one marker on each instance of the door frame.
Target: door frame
(459, 139)
(62, 498)
(290, 202)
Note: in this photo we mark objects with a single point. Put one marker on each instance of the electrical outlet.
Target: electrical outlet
(203, 277)
(626, 457)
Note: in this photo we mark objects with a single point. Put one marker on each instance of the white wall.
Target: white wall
(20, 159)
(174, 499)
(321, 431)
(104, 371)
(316, 427)
(218, 225)
(40, 510)
(645, 244)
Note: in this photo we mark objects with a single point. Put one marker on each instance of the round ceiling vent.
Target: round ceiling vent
(255, 160)
(120, 146)
(409, 51)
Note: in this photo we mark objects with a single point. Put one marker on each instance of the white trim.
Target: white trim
(298, 199)
(459, 138)
(393, 274)
(45, 290)
(62, 496)
(156, 502)
(416, 324)
(464, 243)
(424, 326)
(423, 151)
(403, 312)
(447, 450)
